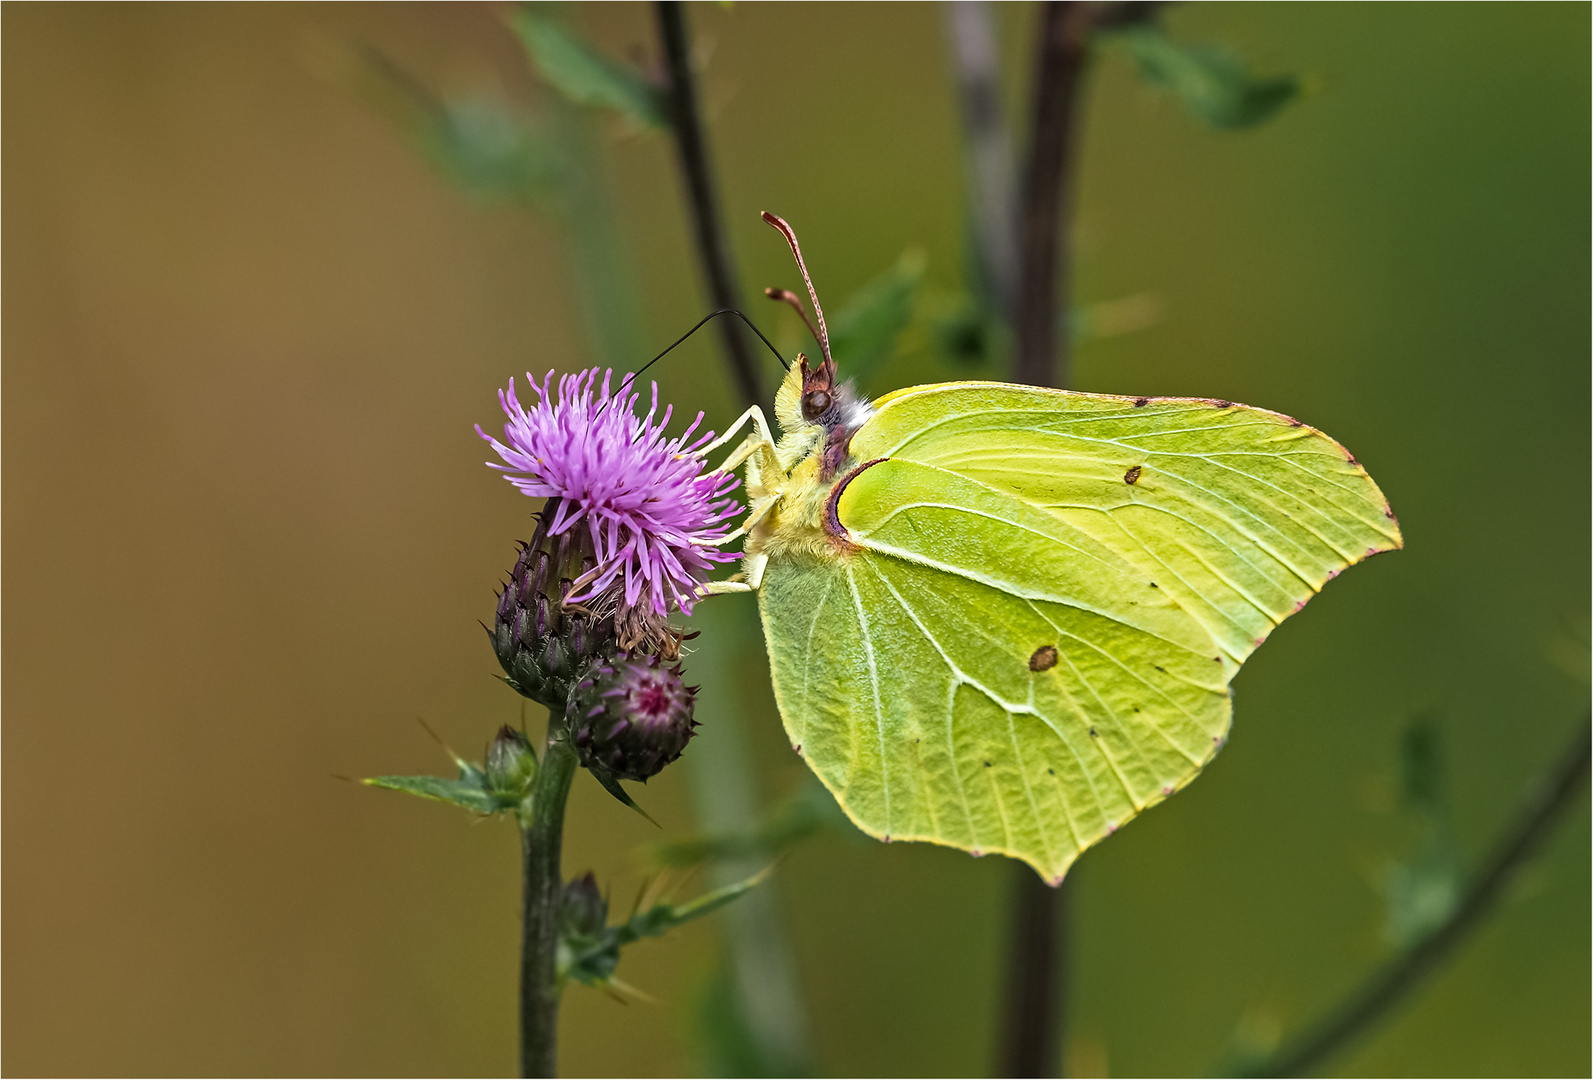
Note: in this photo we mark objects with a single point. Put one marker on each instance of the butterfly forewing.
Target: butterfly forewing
(1239, 514)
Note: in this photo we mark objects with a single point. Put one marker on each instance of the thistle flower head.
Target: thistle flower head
(642, 497)
(631, 716)
(543, 642)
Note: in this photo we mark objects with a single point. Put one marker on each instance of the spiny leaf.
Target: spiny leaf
(611, 785)
(663, 917)
(465, 792)
(1213, 84)
(592, 958)
(584, 75)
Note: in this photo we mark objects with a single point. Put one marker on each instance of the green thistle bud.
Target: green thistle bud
(511, 764)
(543, 642)
(583, 913)
(631, 716)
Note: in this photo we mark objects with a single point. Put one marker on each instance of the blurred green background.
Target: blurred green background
(248, 534)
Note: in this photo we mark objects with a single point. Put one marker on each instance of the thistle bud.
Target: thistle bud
(543, 641)
(631, 716)
(582, 910)
(511, 763)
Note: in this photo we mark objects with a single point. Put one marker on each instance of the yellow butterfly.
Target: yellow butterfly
(1005, 618)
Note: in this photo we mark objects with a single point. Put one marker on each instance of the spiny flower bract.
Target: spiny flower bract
(642, 497)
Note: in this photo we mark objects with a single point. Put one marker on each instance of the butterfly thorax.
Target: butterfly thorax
(817, 419)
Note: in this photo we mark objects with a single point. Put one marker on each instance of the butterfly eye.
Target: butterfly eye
(815, 404)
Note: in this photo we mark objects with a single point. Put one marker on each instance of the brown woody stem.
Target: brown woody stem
(691, 144)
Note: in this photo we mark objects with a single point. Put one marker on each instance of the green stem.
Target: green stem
(542, 837)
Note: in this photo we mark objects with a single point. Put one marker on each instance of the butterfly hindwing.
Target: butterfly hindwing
(975, 672)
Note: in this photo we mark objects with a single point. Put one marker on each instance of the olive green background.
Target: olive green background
(247, 532)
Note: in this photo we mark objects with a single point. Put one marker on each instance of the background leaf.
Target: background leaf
(487, 148)
(584, 75)
(1424, 888)
(1213, 84)
(805, 813)
(863, 334)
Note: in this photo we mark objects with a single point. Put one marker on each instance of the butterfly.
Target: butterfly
(1005, 618)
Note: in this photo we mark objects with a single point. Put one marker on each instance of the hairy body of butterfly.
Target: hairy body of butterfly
(1005, 618)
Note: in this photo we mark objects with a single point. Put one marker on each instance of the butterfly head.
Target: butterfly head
(821, 398)
(811, 400)
(811, 397)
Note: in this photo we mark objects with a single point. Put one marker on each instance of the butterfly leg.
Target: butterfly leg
(760, 442)
(754, 564)
(760, 427)
(720, 588)
(753, 575)
(759, 510)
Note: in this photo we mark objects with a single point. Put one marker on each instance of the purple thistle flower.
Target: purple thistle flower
(643, 498)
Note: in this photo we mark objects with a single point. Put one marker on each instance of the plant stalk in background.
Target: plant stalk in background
(987, 149)
(767, 1004)
(691, 143)
(1035, 1004)
(1045, 233)
(1021, 256)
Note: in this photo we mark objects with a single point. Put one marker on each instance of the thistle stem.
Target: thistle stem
(542, 837)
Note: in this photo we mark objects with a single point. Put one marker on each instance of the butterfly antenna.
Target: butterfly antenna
(630, 376)
(786, 296)
(823, 334)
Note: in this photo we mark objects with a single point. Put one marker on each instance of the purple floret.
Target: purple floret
(644, 497)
